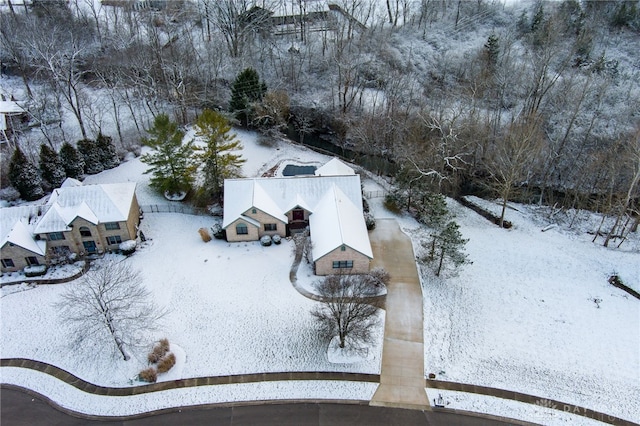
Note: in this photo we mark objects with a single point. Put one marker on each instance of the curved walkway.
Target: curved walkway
(85, 386)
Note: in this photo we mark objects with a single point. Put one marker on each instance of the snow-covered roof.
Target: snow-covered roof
(20, 235)
(10, 107)
(336, 222)
(94, 203)
(334, 167)
(16, 227)
(276, 196)
(70, 182)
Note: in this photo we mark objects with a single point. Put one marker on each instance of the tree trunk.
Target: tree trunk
(441, 261)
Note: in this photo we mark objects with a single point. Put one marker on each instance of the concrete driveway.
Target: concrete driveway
(402, 378)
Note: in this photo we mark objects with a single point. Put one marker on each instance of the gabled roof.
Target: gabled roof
(21, 236)
(334, 167)
(283, 194)
(70, 182)
(264, 202)
(16, 226)
(94, 203)
(299, 202)
(336, 222)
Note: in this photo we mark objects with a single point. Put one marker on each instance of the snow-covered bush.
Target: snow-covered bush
(35, 270)
(369, 221)
(9, 194)
(276, 239)
(266, 240)
(127, 247)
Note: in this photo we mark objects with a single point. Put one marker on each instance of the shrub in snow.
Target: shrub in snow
(24, 177)
(159, 351)
(107, 151)
(35, 271)
(148, 375)
(369, 221)
(72, 161)
(164, 345)
(9, 194)
(166, 363)
(91, 155)
(218, 232)
(204, 234)
(265, 240)
(127, 247)
(276, 239)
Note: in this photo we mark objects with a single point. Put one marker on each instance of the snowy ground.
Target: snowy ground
(534, 313)
(521, 317)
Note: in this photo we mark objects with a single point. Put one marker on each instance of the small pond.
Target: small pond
(293, 170)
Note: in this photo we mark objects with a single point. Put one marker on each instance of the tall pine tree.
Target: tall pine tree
(24, 177)
(172, 162)
(246, 89)
(91, 155)
(72, 161)
(51, 167)
(107, 151)
(219, 160)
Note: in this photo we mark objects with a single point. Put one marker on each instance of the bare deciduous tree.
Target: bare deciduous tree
(109, 306)
(512, 159)
(349, 306)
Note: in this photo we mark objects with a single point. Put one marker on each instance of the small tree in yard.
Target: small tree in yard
(24, 177)
(109, 307)
(72, 161)
(218, 158)
(348, 309)
(448, 246)
(172, 163)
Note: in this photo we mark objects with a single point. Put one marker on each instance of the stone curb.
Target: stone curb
(85, 386)
(529, 399)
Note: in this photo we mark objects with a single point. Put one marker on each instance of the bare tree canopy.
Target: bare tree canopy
(109, 307)
(350, 306)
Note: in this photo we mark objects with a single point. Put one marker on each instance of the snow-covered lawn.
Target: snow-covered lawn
(534, 313)
(523, 316)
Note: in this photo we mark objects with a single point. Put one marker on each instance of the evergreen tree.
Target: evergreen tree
(107, 151)
(492, 50)
(91, 156)
(246, 90)
(218, 158)
(51, 167)
(172, 163)
(449, 247)
(72, 161)
(24, 177)
(433, 210)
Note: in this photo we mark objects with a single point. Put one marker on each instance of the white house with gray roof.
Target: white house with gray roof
(329, 204)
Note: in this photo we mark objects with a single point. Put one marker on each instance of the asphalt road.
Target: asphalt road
(19, 408)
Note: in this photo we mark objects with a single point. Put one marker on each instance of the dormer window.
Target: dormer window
(254, 211)
(343, 248)
(84, 231)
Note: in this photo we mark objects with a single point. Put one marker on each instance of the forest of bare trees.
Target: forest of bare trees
(532, 101)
